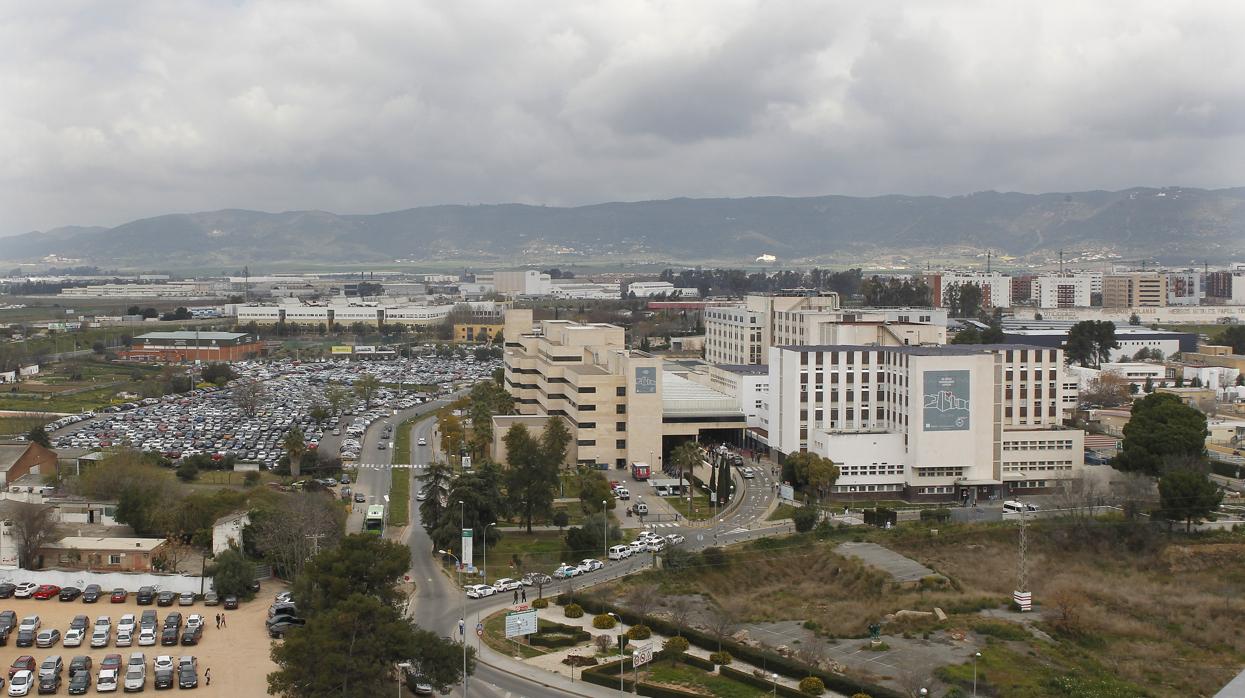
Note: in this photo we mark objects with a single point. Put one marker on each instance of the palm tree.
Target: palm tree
(686, 456)
(294, 447)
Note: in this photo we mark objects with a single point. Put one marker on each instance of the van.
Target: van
(1016, 507)
(641, 509)
(619, 552)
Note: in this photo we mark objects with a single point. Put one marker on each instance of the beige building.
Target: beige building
(883, 327)
(622, 406)
(1144, 289)
(743, 334)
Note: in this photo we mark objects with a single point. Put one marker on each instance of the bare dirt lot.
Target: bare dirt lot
(237, 654)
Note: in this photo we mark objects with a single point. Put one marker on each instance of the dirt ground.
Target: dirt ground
(237, 654)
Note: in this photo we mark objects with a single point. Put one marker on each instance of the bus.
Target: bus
(374, 520)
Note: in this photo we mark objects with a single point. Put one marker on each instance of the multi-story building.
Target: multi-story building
(1141, 289)
(340, 311)
(1062, 291)
(1185, 287)
(1226, 287)
(1131, 339)
(881, 326)
(518, 283)
(476, 332)
(957, 422)
(620, 405)
(996, 289)
(740, 335)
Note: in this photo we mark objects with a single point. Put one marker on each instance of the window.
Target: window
(587, 408)
(621, 391)
(620, 444)
(620, 426)
(620, 409)
(586, 442)
(114, 559)
(587, 425)
(588, 389)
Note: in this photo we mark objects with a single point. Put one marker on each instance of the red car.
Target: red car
(26, 662)
(46, 591)
(120, 595)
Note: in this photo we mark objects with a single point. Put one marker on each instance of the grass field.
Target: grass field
(402, 437)
(689, 677)
(495, 637)
(782, 511)
(399, 496)
(74, 386)
(539, 551)
(16, 425)
(700, 510)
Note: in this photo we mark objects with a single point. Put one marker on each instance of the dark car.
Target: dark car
(49, 683)
(4, 636)
(149, 619)
(165, 598)
(253, 586)
(286, 608)
(7, 589)
(164, 678)
(278, 626)
(8, 619)
(146, 595)
(25, 638)
(188, 677)
(91, 593)
(231, 602)
(69, 593)
(168, 636)
(192, 635)
(80, 663)
(173, 620)
(79, 622)
(79, 683)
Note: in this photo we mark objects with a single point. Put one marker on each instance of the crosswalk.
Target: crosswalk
(386, 466)
(663, 525)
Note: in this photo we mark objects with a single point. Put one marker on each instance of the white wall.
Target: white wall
(107, 580)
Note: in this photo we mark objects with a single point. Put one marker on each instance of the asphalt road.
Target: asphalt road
(372, 470)
(439, 603)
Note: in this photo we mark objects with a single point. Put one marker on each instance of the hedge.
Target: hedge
(698, 662)
(652, 689)
(606, 676)
(603, 621)
(764, 684)
(755, 656)
(558, 635)
(573, 611)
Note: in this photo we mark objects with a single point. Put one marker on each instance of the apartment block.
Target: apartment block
(1062, 291)
(621, 405)
(1146, 289)
(881, 326)
(1185, 287)
(741, 335)
(950, 423)
(996, 289)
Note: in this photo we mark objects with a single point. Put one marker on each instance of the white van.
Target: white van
(619, 552)
(1016, 507)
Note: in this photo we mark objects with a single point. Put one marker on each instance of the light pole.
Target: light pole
(976, 656)
(462, 622)
(605, 531)
(924, 692)
(622, 658)
(401, 667)
(485, 544)
(774, 680)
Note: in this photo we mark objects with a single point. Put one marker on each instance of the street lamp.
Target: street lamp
(485, 544)
(924, 692)
(462, 622)
(976, 656)
(605, 531)
(401, 667)
(774, 680)
(622, 658)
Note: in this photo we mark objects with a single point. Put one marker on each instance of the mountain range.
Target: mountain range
(1169, 224)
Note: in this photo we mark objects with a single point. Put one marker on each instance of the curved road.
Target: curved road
(439, 602)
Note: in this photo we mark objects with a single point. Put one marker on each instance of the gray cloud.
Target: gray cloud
(128, 109)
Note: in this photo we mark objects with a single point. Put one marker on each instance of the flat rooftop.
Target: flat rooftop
(190, 335)
(936, 350)
(87, 543)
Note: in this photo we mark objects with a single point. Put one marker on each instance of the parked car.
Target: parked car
(46, 591)
(25, 638)
(74, 637)
(125, 638)
(506, 584)
(168, 636)
(146, 637)
(211, 599)
(107, 681)
(80, 663)
(536, 579)
(187, 677)
(675, 539)
(48, 637)
(100, 637)
(7, 589)
(91, 593)
(70, 593)
(79, 683)
(286, 608)
(119, 595)
(49, 684)
(111, 661)
(165, 598)
(231, 602)
(186, 598)
(8, 620)
(590, 565)
(192, 634)
(52, 665)
(22, 663)
(282, 624)
(31, 623)
(619, 552)
(25, 590)
(19, 684)
(149, 619)
(146, 595)
(656, 545)
(565, 572)
(135, 677)
(479, 591)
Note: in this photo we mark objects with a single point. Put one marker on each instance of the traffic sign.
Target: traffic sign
(520, 623)
(479, 630)
(642, 654)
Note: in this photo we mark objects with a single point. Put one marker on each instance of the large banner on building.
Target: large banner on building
(645, 379)
(467, 544)
(946, 401)
(342, 349)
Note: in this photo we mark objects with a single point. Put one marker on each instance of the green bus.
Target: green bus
(374, 520)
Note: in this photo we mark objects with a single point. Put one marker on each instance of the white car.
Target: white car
(25, 590)
(675, 539)
(656, 545)
(506, 584)
(619, 552)
(479, 591)
(639, 545)
(31, 623)
(19, 685)
(135, 677)
(74, 637)
(194, 620)
(748, 473)
(565, 572)
(146, 637)
(100, 637)
(163, 661)
(422, 442)
(107, 681)
(125, 638)
(590, 565)
(126, 623)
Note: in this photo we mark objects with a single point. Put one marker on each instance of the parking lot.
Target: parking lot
(221, 423)
(238, 655)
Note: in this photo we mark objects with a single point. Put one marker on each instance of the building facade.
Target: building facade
(952, 423)
(1062, 291)
(742, 334)
(186, 345)
(996, 289)
(1143, 289)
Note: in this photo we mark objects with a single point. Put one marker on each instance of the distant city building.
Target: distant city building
(649, 289)
(1144, 289)
(741, 334)
(174, 289)
(948, 423)
(1132, 339)
(476, 332)
(176, 347)
(1185, 287)
(341, 311)
(1062, 291)
(996, 289)
(1226, 287)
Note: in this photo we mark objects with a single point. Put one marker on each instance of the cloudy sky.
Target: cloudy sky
(111, 111)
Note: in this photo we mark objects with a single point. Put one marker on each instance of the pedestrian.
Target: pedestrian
(218, 621)
(207, 676)
(223, 624)
(516, 596)
(524, 591)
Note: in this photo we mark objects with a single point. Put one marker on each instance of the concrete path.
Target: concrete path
(900, 568)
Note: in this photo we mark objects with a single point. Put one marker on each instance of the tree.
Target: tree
(1134, 319)
(1187, 495)
(686, 456)
(218, 373)
(39, 435)
(553, 444)
(337, 397)
(809, 470)
(531, 477)
(98, 348)
(366, 386)
(592, 538)
(724, 484)
(33, 527)
(1091, 342)
(1233, 337)
(722, 622)
(248, 396)
(232, 574)
(437, 479)
(287, 532)
(1162, 428)
(1108, 388)
(188, 470)
(561, 519)
(362, 564)
(804, 519)
(452, 433)
(319, 412)
(1149, 386)
(594, 489)
(294, 447)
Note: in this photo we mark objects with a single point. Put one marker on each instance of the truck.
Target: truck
(640, 471)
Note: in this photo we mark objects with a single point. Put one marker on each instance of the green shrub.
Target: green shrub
(675, 645)
(603, 621)
(639, 632)
(698, 662)
(804, 518)
(1001, 629)
(720, 657)
(811, 685)
(540, 603)
(251, 478)
(573, 611)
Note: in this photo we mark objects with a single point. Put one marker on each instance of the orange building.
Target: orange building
(174, 347)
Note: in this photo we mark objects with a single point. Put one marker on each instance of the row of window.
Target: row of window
(1040, 445)
(1043, 465)
(874, 469)
(940, 472)
(868, 488)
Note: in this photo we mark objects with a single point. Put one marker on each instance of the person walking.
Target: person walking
(207, 676)
(524, 595)
(218, 621)
(516, 596)
(223, 624)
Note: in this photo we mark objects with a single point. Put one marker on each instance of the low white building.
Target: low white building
(227, 531)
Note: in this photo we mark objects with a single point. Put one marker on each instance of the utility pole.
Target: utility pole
(315, 542)
(1022, 596)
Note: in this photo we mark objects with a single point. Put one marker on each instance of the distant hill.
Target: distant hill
(1170, 223)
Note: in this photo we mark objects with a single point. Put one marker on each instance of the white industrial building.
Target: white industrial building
(174, 289)
(651, 289)
(950, 423)
(342, 311)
